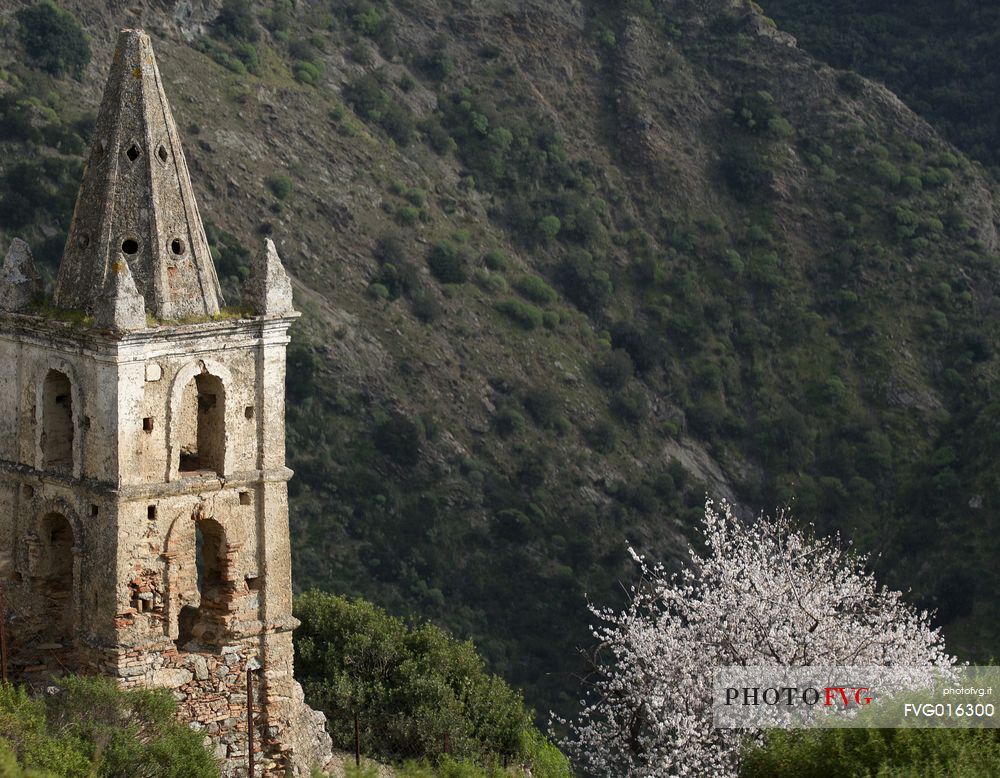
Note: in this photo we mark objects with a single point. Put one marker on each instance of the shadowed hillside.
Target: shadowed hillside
(565, 267)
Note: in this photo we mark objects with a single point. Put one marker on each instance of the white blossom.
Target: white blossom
(765, 594)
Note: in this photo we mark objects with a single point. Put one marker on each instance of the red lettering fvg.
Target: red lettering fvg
(847, 695)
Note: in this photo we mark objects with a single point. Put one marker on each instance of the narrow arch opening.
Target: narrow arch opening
(203, 426)
(162, 154)
(204, 624)
(55, 578)
(57, 422)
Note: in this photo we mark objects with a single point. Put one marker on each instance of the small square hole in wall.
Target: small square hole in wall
(151, 512)
(94, 510)
(29, 491)
(248, 411)
(254, 583)
(245, 498)
(147, 424)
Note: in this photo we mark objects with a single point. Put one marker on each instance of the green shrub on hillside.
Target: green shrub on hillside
(448, 263)
(544, 404)
(757, 113)
(374, 103)
(53, 39)
(747, 172)
(584, 282)
(279, 184)
(425, 306)
(495, 260)
(307, 72)
(236, 21)
(410, 685)
(524, 314)
(92, 729)
(436, 63)
(535, 289)
(601, 436)
(399, 438)
(614, 369)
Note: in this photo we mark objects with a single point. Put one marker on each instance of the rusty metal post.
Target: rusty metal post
(3, 637)
(446, 741)
(357, 742)
(250, 722)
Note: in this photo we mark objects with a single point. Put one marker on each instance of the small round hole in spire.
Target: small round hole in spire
(130, 246)
(132, 153)
(162, 154)
(177, 246)
(83, 240)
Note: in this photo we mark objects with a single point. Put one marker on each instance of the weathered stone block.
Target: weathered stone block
(19, 281)
(171, 677)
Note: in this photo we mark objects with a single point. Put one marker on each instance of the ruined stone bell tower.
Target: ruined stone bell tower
(143, 487)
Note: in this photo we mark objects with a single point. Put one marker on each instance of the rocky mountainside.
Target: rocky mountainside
(565, 267)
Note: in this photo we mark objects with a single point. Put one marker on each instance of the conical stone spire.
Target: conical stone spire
(136, 205)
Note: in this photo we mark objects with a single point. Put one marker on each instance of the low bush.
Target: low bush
(523, 314)
(544, 405)
(614, 369)
(601, 436)
(425, 306)
(448, 263)
(508, 421)
(307, 72)
(236, 21)
(399, 438)
(583, 282)
(373, 102)
(630, 405)
(280, 185)
(535, 289)
(90, 727)
(495, 260)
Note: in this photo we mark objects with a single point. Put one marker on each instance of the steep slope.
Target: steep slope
(937, 55)
(565, 266)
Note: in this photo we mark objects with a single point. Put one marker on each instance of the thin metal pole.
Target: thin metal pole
(250, 720)
(3, 638)
(357, 742)
(446, 741)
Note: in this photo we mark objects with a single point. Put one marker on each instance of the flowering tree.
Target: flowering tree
(765, 594)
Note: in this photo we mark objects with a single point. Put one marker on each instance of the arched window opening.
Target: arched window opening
(203, 426)
(205, 623)
(55, 577)
(57, 422)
